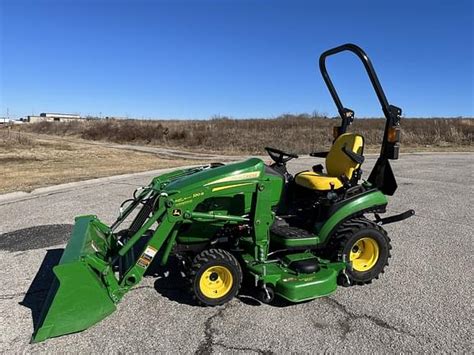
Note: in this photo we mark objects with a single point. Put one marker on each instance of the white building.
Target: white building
(54, 117)
(61, 115)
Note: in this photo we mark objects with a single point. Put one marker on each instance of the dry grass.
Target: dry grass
(300, 133)
(28, 162)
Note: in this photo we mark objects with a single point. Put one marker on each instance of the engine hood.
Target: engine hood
(249, 169)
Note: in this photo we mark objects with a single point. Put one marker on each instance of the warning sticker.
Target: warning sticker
(147, 257)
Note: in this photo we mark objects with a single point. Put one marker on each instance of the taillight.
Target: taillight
(393, 135)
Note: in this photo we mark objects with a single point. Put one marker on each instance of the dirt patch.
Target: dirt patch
(29, 162)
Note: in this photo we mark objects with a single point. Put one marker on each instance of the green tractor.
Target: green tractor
(296, 237)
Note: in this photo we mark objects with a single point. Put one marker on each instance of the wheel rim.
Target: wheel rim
(216, 282)
(364, 254)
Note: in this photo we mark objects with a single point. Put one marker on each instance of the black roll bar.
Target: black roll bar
(382, 175)
(368, 67)
(391, 113)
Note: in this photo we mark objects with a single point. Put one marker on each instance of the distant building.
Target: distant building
(4, 120)
(33, 119)
(61, 115)
(54, 117)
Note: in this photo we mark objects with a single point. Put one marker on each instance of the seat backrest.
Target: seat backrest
(337, 162)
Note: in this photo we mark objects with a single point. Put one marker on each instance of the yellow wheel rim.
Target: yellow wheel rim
(364, 254)
(216, 282)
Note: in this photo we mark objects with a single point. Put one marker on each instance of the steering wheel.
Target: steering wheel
(278, 156)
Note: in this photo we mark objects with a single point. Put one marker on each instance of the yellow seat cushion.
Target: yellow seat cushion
(315, 181)
(338, 164)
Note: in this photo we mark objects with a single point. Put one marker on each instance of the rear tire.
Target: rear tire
(366, 245)
(215, 277)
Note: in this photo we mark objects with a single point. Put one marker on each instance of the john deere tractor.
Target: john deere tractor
(296, 237)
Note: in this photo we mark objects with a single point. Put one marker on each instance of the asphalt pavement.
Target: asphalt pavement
(423, 303)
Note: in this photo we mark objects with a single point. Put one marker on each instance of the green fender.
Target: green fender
(364, 202)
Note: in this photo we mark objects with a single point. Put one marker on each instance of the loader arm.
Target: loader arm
(99, 265)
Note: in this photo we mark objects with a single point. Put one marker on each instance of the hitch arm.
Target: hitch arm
(395, 218)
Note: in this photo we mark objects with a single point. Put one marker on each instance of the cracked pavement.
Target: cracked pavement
(423, 303)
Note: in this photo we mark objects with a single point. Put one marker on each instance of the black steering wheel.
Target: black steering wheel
(278, 156)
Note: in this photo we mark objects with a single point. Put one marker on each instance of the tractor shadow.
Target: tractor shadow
(172, 284)
(170, 281)
(38, 237)
(37, 293)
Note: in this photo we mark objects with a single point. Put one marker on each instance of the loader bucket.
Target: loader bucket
(78, 297)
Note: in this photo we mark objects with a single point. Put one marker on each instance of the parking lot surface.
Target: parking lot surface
(423, 303)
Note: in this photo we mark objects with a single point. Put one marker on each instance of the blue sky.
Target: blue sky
(196, 59)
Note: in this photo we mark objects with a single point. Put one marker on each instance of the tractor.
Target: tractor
(294, 237)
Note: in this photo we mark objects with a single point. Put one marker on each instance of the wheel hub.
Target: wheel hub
(216, 282)
(364, 254)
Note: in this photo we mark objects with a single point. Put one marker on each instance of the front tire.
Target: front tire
(366, 245)
(215, 276)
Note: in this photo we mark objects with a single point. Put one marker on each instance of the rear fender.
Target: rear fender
(373, 200)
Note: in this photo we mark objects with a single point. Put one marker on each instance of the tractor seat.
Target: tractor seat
(343, 159)
(317, 181)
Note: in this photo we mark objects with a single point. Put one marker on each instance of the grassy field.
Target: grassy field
(49, 153)
(28, 162)
(299, 134)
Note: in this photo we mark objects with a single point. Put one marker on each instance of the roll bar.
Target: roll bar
(392, 113)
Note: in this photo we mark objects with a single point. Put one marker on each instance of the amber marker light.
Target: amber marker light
(393, 135)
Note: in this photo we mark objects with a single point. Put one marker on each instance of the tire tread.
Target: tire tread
(205, 257)
(346, 230)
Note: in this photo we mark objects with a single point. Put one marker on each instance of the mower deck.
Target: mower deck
(298, 277)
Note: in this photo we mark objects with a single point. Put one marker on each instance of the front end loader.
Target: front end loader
(297, 237)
